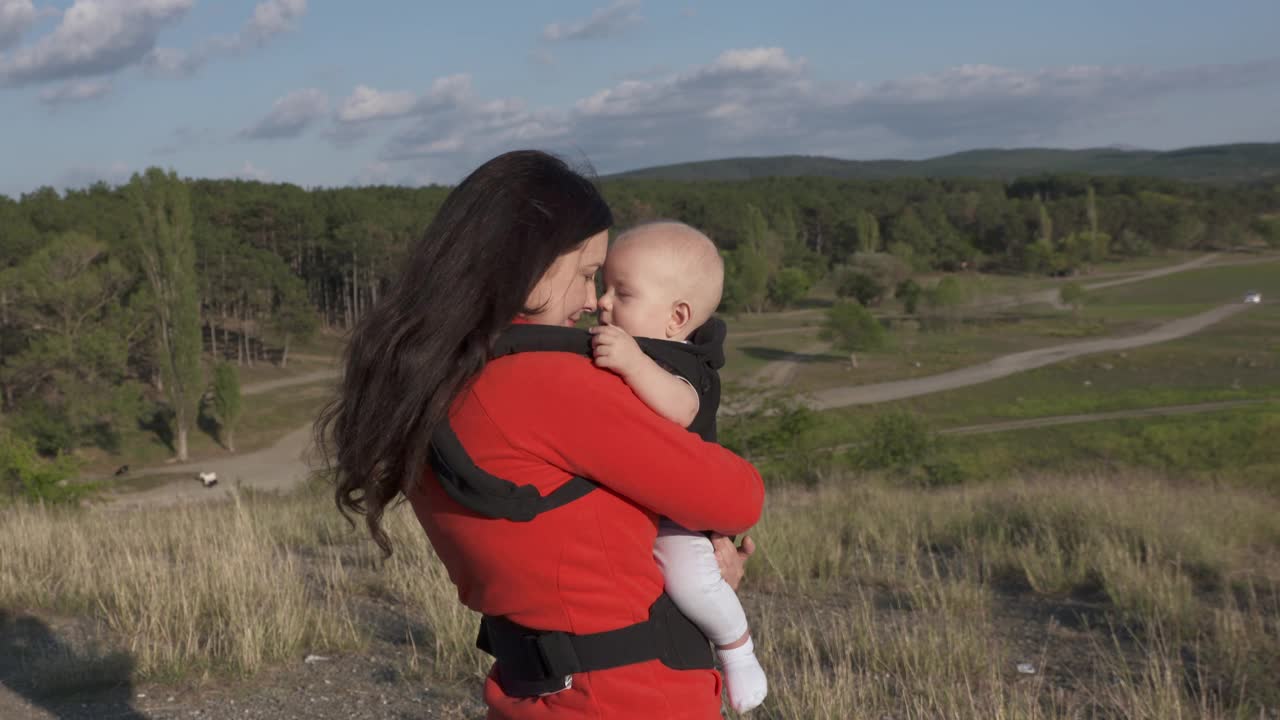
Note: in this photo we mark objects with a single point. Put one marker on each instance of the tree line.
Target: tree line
(112, 297)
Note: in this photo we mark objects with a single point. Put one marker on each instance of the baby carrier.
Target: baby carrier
(537, 662)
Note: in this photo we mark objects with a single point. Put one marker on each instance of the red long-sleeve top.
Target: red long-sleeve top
(540, 418)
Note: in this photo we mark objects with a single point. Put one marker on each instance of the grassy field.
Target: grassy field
(1129, 596)
(1234, 447)
(914, 352)
(1236, 359)
(1185, 293)
(976, 335)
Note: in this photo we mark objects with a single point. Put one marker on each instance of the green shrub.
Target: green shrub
(777, 434)
(787, 286)
(909, 293)
(25, 475)
(48, 428)
(896, 440)
(861, 286)
(942, 473)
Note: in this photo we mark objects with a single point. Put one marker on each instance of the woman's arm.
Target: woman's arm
(588, 421)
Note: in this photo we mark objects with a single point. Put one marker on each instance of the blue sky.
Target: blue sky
(340, 93)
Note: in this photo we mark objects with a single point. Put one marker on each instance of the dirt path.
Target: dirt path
(305, 379)
(779, 373)
(1015, 363)
(279, 467)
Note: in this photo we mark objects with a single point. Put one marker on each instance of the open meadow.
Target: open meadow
(1035, 546)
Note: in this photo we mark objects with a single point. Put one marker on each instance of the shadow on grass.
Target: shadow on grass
(206, 423)
(812, 304)
(64, 681)
(160, 424)
(769, 354)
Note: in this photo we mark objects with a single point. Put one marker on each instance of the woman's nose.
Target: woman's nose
(592, 301)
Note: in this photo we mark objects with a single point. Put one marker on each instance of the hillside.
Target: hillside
(1214, 163)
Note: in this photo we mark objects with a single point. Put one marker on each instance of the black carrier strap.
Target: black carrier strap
(496, 497)
(538, 662)
(489, 495)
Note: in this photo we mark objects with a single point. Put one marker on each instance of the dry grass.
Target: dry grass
(183, 590)
(883, 602)
(867, 601)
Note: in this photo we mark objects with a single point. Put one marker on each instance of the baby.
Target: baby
(663, 281)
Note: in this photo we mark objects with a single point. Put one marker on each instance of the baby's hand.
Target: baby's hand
(614, 349)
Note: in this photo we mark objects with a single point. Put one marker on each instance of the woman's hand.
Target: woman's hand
(732, 559)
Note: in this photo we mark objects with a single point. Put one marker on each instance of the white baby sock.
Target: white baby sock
(743, 676)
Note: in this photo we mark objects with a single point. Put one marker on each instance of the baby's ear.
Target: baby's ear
(681, 316)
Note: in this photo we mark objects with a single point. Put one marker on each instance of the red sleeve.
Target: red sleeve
(588, 422)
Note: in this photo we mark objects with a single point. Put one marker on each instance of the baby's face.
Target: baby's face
(640, 291)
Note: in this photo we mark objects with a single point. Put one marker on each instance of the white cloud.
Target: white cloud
(450, 119)
(290, 116)
(604, 22)
(94, 37)
(366, 103)
(447, 91)
(15, 17)
(756, 101)
(171, 62)
(75, 92)
(249, 171)
(103, 37)
(771, 60)
(270, 18)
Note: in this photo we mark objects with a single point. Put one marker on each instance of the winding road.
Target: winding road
(1015, 363)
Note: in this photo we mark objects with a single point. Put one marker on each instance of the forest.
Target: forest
(116, 301)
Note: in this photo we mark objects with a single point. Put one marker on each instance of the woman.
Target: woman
(520, 241)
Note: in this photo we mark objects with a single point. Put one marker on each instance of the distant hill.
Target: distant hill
(1213, 163)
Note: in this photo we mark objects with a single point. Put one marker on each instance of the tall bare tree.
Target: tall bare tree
(165, 252)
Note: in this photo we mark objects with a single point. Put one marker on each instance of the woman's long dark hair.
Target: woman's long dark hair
(465, 280)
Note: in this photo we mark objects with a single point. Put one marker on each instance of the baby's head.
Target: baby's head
(662, 280)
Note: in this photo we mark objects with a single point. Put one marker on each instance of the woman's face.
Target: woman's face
(568, 288)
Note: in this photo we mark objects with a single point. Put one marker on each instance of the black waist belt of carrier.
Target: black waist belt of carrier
(539, 662)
